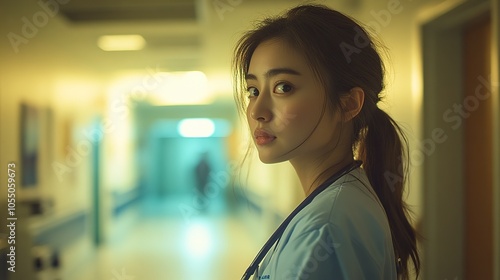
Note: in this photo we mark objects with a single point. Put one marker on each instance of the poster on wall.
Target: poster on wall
(30, 134)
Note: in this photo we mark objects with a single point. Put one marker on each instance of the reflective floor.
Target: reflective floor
(161, 244)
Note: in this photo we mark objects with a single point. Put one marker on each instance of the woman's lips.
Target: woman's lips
(262, 137)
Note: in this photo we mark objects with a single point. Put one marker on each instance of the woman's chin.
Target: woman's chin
(268, 159)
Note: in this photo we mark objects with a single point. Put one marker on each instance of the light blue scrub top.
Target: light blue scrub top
(342, 234)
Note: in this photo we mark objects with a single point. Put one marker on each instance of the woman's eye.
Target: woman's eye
(283, 88)
(252, 92)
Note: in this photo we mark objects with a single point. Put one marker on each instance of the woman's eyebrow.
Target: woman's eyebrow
(274, 72)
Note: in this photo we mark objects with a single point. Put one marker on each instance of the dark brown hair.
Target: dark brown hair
(344, 56)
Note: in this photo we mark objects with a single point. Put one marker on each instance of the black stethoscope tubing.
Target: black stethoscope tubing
(279, 231)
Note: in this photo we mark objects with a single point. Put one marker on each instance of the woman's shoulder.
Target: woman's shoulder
(350, 204)
(345, 227)
(343, 233)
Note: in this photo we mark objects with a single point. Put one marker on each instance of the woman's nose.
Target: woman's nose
(260, 109)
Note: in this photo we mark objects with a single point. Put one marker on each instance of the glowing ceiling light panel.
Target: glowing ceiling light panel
(121, 42)
(196, 128)
(180, 88)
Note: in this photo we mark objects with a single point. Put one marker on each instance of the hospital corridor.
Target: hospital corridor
(123, 155)
(160, 245)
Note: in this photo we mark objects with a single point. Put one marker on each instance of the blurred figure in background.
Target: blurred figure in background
(202, 171)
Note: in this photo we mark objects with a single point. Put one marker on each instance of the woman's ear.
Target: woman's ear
(352, 103)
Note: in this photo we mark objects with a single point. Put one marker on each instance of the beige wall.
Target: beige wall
(49, 77)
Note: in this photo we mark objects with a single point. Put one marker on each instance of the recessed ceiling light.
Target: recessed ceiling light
(198, 127)
(121, 42)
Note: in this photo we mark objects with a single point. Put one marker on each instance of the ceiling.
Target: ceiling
(180, 34)
(129, 10)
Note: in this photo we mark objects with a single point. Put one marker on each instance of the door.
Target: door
(478, 147)
(457, 189)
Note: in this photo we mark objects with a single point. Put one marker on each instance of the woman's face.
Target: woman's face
(286, 101)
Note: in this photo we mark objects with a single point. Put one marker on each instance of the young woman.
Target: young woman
(309, 82)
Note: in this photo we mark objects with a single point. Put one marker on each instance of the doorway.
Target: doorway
(478, 146)
(458, 179)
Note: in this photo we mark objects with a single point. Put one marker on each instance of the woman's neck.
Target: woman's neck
(313, 173)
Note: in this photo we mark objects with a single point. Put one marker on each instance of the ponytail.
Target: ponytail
(383, 148)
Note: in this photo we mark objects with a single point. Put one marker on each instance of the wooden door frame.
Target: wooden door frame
(443, 207)
(495, 73)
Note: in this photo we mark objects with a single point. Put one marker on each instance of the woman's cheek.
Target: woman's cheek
(250, 120)
(285, 117)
